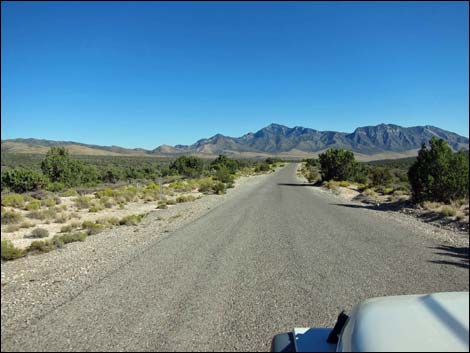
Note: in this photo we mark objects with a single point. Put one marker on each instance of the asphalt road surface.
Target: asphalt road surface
(270, 258)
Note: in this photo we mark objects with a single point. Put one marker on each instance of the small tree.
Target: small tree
(439, 174)
(337, 164)
(224, 162)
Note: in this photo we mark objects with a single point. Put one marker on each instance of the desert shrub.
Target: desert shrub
(22, 180)
(61, 218)
(70, 193)
(188, 165)
(55, 186)
(66, 229)
(39, 233)
(11, 228)
(26, 225)
(33, 205)
(71, 238)
(13, 200)
(83, 202)
(223, 162)
(10, 252)
(337, 164)
(131, 220)
(180, 186)
(42, 246)
(262, 167)
(113, 221)
(162, 205)
(381, 176)
(11, 217)
(223, 175)
(448, 211)
(370, 193)
(310, 173)
(92, 227)
(205, 185)
(96, 207)
(439, 174)
(170, 202)
(344, 183)
(49, 202)
(185, 198)
(50, 213)
(219, 188)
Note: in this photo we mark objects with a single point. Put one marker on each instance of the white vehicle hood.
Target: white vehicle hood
(436, 322)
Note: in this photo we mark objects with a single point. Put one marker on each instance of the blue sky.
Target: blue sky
(142, 74)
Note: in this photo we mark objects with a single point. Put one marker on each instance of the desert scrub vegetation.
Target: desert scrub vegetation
(131, 220)
(185, 198)
(49, 213)
(10, 252)
(92, 228)
(10, 217)
(33, 205)
(83, 202)
(13, 200)
(39, 233)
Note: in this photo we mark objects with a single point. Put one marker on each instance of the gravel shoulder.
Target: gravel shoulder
(36, 285)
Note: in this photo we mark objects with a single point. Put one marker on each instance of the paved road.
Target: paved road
(268, 259)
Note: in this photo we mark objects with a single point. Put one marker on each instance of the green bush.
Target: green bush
(205, 185)
(337, 164)
(55, 186)
(131, 220)
(11, 228)
(22, 180)
(188, 165)
(42, 246)
(70, 193)
(11, 217)
(185, 198)
(10, 252)
(439, 174)
(39, 233)
(220, 188)
(92, 228)
(50, 213)
(223, 175)
(83, 202)
(70, 238)
(33, 205)
(49, 202)
(13, 200)
(223, 162)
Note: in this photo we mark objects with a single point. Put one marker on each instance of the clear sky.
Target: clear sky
(142, 74)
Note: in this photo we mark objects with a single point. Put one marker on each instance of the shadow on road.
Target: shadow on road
(372, 205)
(456, 256)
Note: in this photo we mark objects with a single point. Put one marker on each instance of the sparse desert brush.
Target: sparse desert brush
(49, 202)
(387, 191)
(107, 193)
(431, 205)
(13, 200)
(26, 225)
(41, 246)
(10, 252)
(11, 228)
(185, 198)
(33, 205)
(344, 183)
(92, 227)
(61, 218)
(70, 193)
(448, 211)
(330, 184)
(39, 233)
(219, 188)
(71, 238)
(205, 185)
(11, 217)
(67, 228)
(50, 213)
(162, 205)
(83, 202)
(370, 193)
(131, 220)
(96, 208)
(170, 202)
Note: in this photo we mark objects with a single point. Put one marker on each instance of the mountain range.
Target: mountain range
(368, 143)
